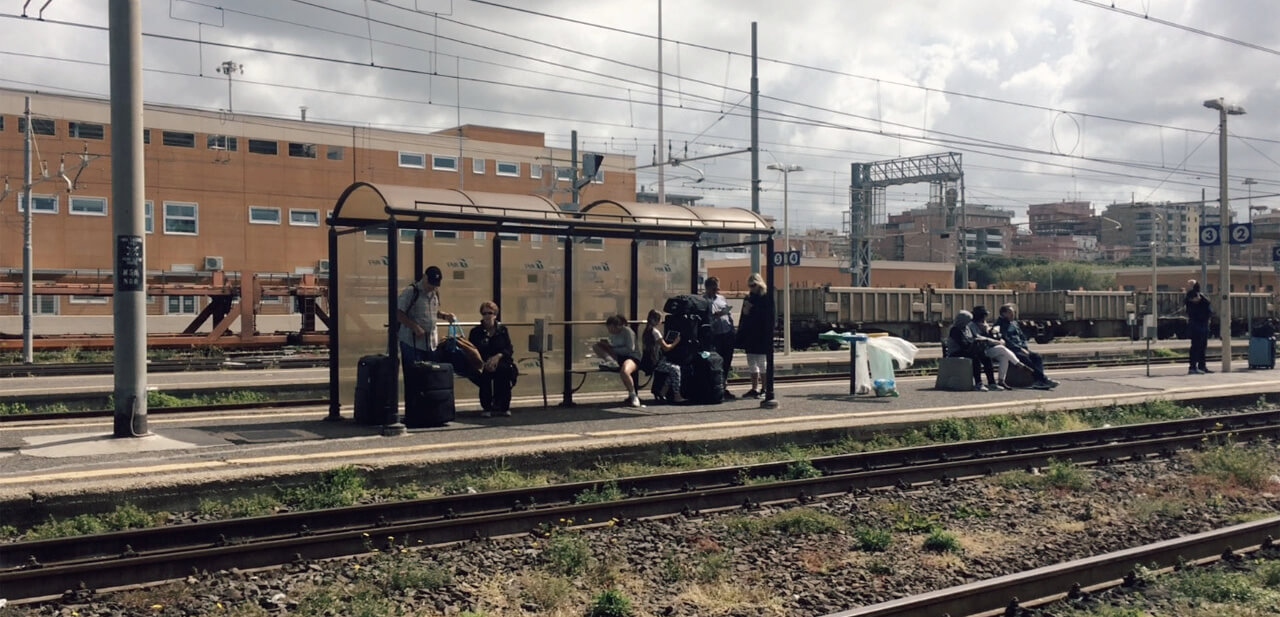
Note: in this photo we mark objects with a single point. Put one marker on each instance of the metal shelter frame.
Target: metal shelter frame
(363, 207)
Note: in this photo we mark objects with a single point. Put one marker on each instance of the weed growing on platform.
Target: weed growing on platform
(240, 507)
(872, 540)
(1234, 465)
(610, 603)
(941, 541)
(500, 477)
(127, 516)
(14, 409)
(801, 469)
(340, 487)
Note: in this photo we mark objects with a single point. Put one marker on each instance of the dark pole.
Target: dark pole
(497, 269)
(393, 329)
(693, 253)
(635, 279)
(335, 408)
(755, 148)
(769, 401)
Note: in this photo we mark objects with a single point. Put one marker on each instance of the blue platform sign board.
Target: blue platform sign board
(1241, 233)
(784, 258)
(1275, 253)
(1209, 235)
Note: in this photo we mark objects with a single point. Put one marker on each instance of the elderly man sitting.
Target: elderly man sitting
(1016, 341)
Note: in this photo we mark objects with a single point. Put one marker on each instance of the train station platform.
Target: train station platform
(43, 464)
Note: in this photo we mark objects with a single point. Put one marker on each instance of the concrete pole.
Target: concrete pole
(28, 354)
(662, 168)
(786, 268)
(1204, 251)
(1224, 263)
(127, 195)
(1249, 182)
(755, 145)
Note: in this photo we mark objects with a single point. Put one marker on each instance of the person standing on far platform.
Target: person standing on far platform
(721, 327)
(1198, 314)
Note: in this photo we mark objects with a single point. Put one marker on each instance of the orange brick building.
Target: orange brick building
(241, 193)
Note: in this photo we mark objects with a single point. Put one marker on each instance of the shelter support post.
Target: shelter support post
(497, 270)
(693, 260)
(769, 401)
(393, 326)
(335, 406)
(567, 401)
(634, 306)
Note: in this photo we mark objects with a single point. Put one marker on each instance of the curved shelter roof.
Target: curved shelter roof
(364, 204)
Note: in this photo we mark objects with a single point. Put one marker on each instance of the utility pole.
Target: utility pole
(127, 185)
(1224, 262)
(227, 68)
(755, 145)
(662, 169)
(27, 282)
(1204, 258)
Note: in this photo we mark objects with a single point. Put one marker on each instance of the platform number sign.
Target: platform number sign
(1209, 235)
(783, 258)
(1241, 233)
(1275, 253)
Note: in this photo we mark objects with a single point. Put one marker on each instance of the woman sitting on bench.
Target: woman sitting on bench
(620, 347)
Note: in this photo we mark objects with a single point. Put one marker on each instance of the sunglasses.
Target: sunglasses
(487, 313)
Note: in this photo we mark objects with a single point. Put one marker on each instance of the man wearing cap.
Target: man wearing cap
(418, 309)
(1199, 312)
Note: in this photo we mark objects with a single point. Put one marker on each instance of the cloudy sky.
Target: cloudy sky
(1046, 99)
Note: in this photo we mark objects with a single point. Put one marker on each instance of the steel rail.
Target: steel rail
(1048, 583)
(45, 567)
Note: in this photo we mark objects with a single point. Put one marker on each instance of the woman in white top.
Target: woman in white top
(621, 348)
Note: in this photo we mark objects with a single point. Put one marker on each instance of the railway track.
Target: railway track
(254, 362)
(1043, 585)
(44, 568)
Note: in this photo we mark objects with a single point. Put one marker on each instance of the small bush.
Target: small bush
(801, 469)
(1215, 586)
(608, 491)
(546, 592)
(610, 603)
(127, 516)
(713, 567)
(1065, 475)
(911, 522)
(340, 487)
(567, 554)
(872, 540)
(793, 522)
(14, 409)
(1231, 464)
(940, 541)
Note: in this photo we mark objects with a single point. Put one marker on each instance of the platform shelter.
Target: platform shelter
(539, 262)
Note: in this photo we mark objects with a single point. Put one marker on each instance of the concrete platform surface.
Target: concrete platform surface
(38, 460)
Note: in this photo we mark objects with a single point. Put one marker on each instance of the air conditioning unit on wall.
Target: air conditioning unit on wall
(322, 266)
(212, 263)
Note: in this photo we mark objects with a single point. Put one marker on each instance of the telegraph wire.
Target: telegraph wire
(1172, 24)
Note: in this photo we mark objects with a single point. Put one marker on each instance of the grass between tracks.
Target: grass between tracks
(155, 399)
(348, 485)
(1252, 588)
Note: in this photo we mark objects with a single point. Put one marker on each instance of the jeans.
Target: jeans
(1199, 335)
(723, 344)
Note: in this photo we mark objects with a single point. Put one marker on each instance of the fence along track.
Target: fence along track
(46, 567)
(1049, 583)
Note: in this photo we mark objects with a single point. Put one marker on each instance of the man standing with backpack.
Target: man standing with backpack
(721, 327)
(418, 309)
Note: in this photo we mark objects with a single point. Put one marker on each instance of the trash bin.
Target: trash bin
(1262, 352)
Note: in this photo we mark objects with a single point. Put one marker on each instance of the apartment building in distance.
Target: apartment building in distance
(926, 235)
(242, 193)
(1173, 229)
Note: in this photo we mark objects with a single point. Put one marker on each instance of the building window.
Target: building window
(148, 210)
(507, 168)
(564, 173)
(304, 218)
(508, 237)
(146, 136)
(593, 244)
(477, 166)
(89, 299)
(222, 142)
(302, 151)
(181, 218)
(44, 204)
(263, 146)
(407, 236)
(178, 139)
(415, 160)
(263, 215)
(180, 305)
(1, 123)
(445, 235)
(87, 206)
(334, 153)
(444, 163)
(85, 130)
(535, 171)
(39, 126)
(40, 305)
(375, 235)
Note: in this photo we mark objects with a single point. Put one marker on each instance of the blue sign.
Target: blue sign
(1275, 253)
(1241, 233)
(1209, 235)
(783, 258)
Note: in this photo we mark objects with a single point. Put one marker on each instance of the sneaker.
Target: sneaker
(1205, 370)
(980, 388)
(506, 413)
(1052, 383)
(752, 394)
(1003, 386)
(486, 414)
(729, 396)
(634, 402)
(1194, 371)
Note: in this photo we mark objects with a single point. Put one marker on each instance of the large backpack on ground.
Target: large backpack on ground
(375, 382)
(689, 304)
(690, 315)
(703, 379)
(428, 395)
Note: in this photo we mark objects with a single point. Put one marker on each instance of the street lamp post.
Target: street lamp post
(1249, 182)
(1224, 220)
(1155, 312)
(786, 268)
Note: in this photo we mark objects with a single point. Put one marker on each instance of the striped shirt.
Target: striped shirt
(423, 312)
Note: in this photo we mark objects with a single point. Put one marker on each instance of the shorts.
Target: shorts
(756, 362)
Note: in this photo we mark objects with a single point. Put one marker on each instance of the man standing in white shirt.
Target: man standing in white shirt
(418, 308)
(721, 327)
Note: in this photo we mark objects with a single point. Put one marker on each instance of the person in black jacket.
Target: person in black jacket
(755, 331)
(1016, 341)
(963, 341)
(498, 374)
(1198, 314)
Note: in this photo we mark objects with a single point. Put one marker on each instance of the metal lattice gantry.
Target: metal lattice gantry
(867, 201)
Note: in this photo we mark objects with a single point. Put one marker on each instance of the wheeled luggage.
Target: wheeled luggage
(703, 381)
(375, 382)
(428, 395)
(1262, 352)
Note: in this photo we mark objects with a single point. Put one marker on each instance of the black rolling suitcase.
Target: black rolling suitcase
(375, 381)
(428, 395)
(704, 378)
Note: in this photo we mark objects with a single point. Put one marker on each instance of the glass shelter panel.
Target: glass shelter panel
(665, 271)
(362, 298)
(468, 280)
(533, 288)
(601, 287)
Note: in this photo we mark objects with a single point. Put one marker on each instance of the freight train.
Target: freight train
(922, 315)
